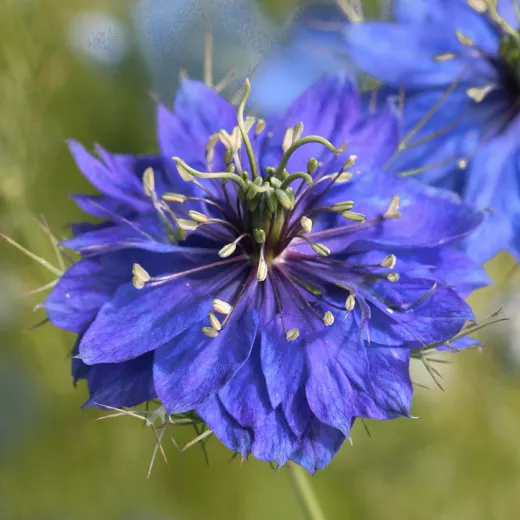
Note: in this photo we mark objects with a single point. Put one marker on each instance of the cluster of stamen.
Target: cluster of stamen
(261, 214)
(509, 51)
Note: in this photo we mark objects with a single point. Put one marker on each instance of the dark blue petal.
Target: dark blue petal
(245, 398)
(427, 315)
(318, 446)
(430, 217)
(146, 231)
(392, 385)
(404, 53)
(494, 183)
(315, 47)
(449, 265)
(285, 371)
(330, 108)
(224, 426)
(137, 321)
(338, 382)
(102, 206)
(122, 384)
(199, 112)
(114, 183)
(91, 282)
(192, 366)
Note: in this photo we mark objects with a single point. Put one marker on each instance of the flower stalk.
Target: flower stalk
(305, 492)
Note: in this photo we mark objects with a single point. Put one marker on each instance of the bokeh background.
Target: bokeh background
(90, 69)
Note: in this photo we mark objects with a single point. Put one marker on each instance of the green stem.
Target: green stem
(305, 493)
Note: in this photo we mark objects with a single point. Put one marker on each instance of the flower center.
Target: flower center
(263, 210)
(510, 53)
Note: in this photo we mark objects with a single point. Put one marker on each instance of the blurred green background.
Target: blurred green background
(459, 461)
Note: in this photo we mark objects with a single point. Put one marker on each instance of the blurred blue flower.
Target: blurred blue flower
(237, 281)
(462, 57)
(312, 48)
(171, 37)
(99, 36)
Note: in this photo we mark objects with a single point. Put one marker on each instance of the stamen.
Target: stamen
(149, 182)
(479, 93)
(261, 273)
(221, 306)
(393, 208)
(210, 148)
(340, 207)
(447, 56)
(187, 225)
(140, 277)
(306, 224)
(229, 249)
(464, 40)
(393, 277)
(260, 126)
(389, 262)
(292, 335)
(198, 217)
(350, 303)
(215, 323)
(353, 216)
(318, 248)
(174, 197)
(210, 332)
(328, 318)
(288, 140)
(493, 13)
(479, 5)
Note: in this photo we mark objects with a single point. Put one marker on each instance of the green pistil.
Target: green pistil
(510, 51)
(266, 200)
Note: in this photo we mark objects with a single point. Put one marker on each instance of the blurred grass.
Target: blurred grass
(459, 461)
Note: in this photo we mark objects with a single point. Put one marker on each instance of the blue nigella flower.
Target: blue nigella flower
(459, 60)
(267, 305)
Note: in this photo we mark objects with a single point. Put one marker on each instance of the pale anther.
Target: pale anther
(389, 262)
(328, 318)
(350, 303)
(320, 249)
(464, 40)
(187, 225)
(306, 224)
(140, 277)
(353, 216)
(292, 334)
(393, 208)
(210, 332)
(393, 277)
(221, 306)
(174, 197)
(198, 217)
(149, 182)
(215, 323)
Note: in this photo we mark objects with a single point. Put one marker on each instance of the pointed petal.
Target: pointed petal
(318, 446)
(245, 398)
(193, 366)
(121, 384)
(137, 321)
(224, 426)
